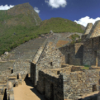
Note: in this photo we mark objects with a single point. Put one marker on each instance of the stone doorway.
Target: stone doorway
(51, 64)
(95, 52)
(44, 86)
(5, 95)
(68, 60)
(52, 92)
(11, 71)
(94, 88)
(17, 76)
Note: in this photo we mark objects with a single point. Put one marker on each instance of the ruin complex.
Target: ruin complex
(57, 72)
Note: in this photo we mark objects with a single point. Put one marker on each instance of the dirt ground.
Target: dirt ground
(27, 92)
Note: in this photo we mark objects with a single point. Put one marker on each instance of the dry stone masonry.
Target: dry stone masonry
(88, 28)
(67, 79)
(56, 72)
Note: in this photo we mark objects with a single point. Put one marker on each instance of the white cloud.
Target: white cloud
(85, 20)
(56, 3)
(6, 7)
(36, 9)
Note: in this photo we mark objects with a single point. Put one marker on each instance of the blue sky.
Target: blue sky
(80, 11)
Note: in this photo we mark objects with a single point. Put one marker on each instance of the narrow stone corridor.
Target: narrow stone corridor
(26, 91)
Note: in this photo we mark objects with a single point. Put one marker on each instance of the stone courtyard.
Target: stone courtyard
(40, 70)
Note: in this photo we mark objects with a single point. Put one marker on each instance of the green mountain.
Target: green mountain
(59, 25)
(22, 14)
(21, 23)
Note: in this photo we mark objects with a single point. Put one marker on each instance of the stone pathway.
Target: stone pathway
(27, 92)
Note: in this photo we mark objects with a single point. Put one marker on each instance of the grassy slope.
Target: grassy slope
(17, 26)
(8, 39)
(59, 25)
(22, 23)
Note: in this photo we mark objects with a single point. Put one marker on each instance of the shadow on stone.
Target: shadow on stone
(5, 95)
(28, 82)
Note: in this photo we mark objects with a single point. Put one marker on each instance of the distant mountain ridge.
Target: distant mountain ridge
(21, 24)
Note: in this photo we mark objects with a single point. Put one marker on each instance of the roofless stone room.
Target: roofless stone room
(49, 51)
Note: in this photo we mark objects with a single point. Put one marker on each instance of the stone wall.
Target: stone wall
(21, 65)
(87, 32)
(63, 84)
(88, 28)
(83, 38)
(88, 56)
(33, 73)
(50, 58)
(78, 84)
(73, 53)
(95, 31)
(51, 85)
(91, 53)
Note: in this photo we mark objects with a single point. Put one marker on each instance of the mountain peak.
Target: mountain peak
(22, 14)
(20, 9)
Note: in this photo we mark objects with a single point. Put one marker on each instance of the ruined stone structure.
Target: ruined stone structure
(56, 72)
(59, 73)
(91, 51)
(47, 56)
(69, 82)
(73, 53)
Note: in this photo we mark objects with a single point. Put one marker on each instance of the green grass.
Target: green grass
(73, 37)
(59, 25)
(86, 67)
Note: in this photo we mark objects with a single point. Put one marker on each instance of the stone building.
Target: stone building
(73, 53)
(47, 57)
(87, 31)
(91, 53)
(68, 83)
(59, 73)
(88, 51)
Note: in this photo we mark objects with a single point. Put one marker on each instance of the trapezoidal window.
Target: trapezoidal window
(58, 72)
(5, 95)
(94, 88)
(11, 71)
(96, 56)
(68, 58)
(51, 64)
(17, 76)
